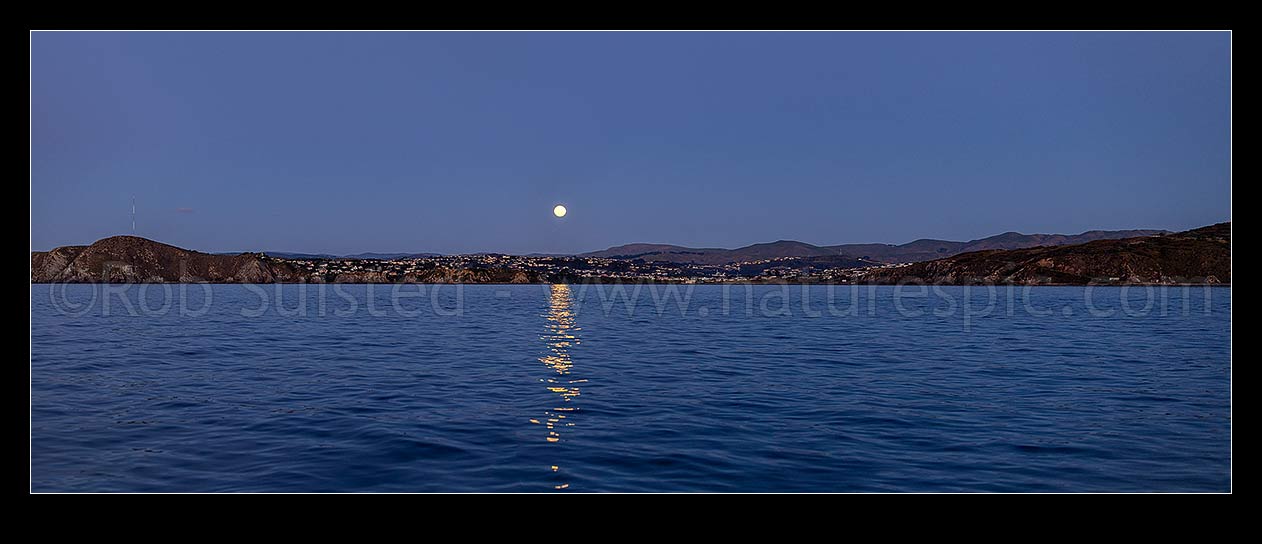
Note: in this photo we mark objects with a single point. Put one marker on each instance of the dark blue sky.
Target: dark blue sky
(456, 142)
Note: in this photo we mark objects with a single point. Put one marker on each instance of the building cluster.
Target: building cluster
(582, 269)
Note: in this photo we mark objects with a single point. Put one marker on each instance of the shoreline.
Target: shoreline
(719, 284)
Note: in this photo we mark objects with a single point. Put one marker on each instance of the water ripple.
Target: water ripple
(552, 389)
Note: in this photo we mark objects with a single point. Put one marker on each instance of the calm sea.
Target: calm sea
(535, 388)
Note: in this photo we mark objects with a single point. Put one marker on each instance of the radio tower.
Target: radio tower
(133, 215)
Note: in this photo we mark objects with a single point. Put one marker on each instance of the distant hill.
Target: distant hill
(385, 256)
(710, 255)
(653, 252)
(1197, 256)
(126, 259)
(915, 251)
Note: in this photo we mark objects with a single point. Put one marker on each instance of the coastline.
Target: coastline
(874, 284)
(1196, 257)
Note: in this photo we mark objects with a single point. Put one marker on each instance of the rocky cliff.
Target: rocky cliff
(1197, 256)
(124, 259)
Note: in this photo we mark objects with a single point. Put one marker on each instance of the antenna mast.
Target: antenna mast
(133, 215)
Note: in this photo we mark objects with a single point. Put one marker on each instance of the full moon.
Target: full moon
(559, 211)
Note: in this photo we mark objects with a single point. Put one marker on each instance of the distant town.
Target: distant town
(559, 269)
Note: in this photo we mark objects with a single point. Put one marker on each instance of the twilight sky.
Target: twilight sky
(462, 142)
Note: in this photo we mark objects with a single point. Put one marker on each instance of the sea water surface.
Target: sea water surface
(555, 388)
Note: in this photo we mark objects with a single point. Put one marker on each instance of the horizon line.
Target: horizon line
(562, 253)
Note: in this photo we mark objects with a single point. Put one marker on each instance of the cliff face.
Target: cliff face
(1196, 256)
(46, 265)
(123, 259)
